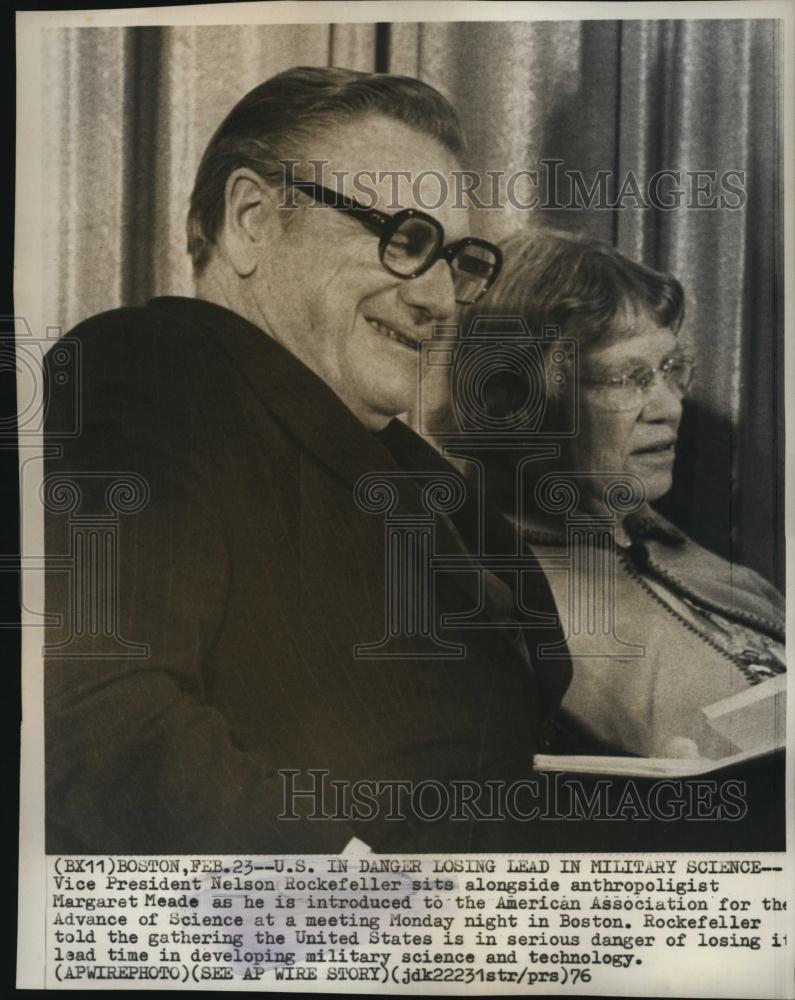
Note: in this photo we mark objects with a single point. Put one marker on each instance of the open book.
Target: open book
(753, 721)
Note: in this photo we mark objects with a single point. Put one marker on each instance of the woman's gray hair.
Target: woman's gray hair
(580, 284)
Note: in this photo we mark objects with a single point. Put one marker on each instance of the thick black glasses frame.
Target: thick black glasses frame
(385, 226)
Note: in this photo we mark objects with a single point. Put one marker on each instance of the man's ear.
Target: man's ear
(250, 220)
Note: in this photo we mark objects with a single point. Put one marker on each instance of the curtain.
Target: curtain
(131, 109)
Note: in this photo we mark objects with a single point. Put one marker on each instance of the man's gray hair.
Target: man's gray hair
(271, 121)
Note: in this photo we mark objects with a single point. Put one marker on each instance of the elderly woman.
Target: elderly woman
(689, 628)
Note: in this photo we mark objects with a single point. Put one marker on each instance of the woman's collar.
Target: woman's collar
(642, 525)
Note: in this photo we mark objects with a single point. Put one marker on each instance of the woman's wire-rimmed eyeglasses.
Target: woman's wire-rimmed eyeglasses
(628, 390)
(410, 243)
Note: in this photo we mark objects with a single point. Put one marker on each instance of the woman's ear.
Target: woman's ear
(250, 220)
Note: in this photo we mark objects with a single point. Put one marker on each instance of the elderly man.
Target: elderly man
(243, 673)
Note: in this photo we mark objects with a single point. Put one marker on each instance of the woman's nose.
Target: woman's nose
(663, 401)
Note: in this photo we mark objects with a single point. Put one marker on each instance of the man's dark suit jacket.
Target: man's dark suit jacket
(248, 576)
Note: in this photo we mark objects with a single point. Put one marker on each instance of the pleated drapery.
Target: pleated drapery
(129, 111)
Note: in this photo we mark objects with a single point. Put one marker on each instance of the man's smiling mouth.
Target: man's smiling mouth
(392, 334)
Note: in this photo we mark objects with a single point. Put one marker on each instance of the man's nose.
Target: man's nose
(432, 295)
(664, 403)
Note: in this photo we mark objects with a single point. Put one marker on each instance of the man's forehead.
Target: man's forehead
(389, 165)
(376, 142)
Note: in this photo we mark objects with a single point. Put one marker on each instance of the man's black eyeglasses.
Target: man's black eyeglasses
(410, 242)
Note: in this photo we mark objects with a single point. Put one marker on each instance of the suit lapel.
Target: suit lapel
(291, 392)
(554, 676)
(323, 425)
(310, 410)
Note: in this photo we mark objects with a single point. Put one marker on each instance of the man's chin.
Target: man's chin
(394, 402)
(379, 412)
